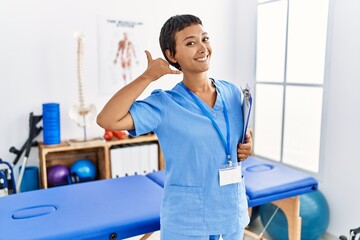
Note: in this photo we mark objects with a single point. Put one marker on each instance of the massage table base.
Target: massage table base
(291, 209)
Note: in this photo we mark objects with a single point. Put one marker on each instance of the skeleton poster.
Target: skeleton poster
(120, 43)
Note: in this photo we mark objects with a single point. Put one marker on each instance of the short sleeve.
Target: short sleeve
(147, 113)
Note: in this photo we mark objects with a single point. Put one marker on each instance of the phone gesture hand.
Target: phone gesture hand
(157, 67)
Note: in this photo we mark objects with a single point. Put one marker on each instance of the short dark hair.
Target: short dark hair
(170, 28)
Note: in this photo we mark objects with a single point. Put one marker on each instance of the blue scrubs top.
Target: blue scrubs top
(194, 203)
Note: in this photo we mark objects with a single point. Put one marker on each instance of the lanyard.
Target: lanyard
(208, 115)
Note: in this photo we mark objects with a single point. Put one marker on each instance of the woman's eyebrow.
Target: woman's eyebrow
(190, 37)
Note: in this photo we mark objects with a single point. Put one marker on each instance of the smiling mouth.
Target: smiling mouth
(203, 59)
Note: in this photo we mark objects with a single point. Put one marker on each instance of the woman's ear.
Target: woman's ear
(169, 56)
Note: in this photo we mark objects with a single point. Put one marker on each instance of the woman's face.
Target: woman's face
(193, 49)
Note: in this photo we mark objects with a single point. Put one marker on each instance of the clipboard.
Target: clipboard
(246, 109)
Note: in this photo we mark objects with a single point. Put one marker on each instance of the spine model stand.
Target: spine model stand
(82, 113)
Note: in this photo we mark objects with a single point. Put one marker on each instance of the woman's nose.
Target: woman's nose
(202, 48)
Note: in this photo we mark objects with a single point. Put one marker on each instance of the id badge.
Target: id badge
(230, 174)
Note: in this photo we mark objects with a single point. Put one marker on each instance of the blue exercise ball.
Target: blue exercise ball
(82, 170)
(314, 212)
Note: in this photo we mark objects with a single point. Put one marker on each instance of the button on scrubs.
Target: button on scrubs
(194, 203)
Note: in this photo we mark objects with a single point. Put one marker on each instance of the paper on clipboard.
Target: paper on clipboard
(246, 109)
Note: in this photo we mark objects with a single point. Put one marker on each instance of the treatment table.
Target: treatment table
(124, 207)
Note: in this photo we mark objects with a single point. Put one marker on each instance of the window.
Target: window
(290, 63)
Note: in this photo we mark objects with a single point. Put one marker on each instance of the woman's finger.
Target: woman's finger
(148, 56)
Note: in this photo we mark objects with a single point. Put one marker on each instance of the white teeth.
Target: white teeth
(201, 59)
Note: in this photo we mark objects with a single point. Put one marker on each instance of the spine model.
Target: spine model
(80, 73)
(83, 114)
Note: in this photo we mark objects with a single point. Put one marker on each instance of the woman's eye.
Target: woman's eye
(190, 43)
(206, 39)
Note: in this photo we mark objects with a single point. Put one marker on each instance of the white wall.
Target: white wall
(37, 65)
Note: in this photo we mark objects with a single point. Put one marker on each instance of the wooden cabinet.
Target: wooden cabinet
(98, 152)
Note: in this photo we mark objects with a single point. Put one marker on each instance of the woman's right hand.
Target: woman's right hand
(157, 68)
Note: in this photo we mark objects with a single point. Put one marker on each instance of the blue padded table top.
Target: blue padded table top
(127, 206)
(158, 177)
(267, 181)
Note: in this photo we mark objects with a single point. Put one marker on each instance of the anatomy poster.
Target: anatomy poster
(120, 43)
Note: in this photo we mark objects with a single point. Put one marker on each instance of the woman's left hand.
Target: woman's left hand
(244, 150)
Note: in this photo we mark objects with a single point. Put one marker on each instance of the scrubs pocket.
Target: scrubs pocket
(183, 205)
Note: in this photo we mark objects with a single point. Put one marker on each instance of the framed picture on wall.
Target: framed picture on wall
(120, 43)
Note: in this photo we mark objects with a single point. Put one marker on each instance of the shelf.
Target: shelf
(96, 151)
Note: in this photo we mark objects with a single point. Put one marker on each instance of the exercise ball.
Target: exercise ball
(57, 175)
(314, 212)
(82, 170)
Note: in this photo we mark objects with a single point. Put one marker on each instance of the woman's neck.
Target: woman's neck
(203, 88)
(198, 84)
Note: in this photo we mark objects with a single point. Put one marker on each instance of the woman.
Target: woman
(199, 124)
